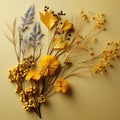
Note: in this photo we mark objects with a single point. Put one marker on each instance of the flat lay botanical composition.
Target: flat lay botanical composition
(38, 74)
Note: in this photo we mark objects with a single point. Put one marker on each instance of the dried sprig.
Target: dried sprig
(107, 56)
(28, 19)
(13, 38)
(38, 77)
(33, 40)
(35, 36)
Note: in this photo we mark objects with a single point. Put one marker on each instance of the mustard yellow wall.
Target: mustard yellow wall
(93, 98)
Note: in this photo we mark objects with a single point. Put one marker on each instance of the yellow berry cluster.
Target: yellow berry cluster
(30, 91)
(41, 99)
(111, 52)
(99, 21)
(27, 93)
(100, 67)
(22, 97)
(29, 105)
(27, 97)
(28, 62)
(19, 72)
(17, 89)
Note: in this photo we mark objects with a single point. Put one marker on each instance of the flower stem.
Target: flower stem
(37, 110)
(38, 113)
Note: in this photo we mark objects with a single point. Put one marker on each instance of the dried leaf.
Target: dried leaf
(48, 19)
(59, 43)
(66, 26)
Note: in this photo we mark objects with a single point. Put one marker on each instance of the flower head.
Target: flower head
(48, 65)
(33, 74)
(61, 85)
(48, 19)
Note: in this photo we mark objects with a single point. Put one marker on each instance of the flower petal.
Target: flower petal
(29, 75)
(36, 75)
(33, 74)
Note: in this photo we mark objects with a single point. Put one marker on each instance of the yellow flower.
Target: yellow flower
(33, 74)
(66, 26)
(59, 43)
(48, 65)
(61, 85)
(48, 19)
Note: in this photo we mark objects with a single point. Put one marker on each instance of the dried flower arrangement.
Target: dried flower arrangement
(37, 77)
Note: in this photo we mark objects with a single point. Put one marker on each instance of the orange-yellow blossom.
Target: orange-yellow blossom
(61, 85)
(48, 65)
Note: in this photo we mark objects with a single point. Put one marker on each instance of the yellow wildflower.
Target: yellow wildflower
(59, 43)
(33, 74)
(48, 65)
(48, 19)
(61, 85)
(66, 26)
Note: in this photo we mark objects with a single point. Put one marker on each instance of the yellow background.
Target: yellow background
(95, 98)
